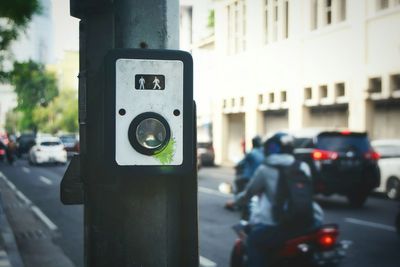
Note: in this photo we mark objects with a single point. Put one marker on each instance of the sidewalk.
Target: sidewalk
(9, 254)
(25, 241)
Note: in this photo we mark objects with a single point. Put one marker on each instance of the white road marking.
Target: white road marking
(371, 224)
(45, 180)
(26, 170)
(35, 209)
(22, 197)
(212, 192)
(204, 262)
(216, 174)
(44, 218)
(4, 262)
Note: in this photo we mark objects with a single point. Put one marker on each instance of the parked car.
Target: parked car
(341, 162)
(71, 143)
(389, 164)
(24, 143)
(47, 150)
(205, 153)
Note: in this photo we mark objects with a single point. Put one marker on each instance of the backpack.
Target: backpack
(293, 206)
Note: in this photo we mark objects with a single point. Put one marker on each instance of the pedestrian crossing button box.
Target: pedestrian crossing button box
(149, 104)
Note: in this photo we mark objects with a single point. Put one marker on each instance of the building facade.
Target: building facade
(197, 37)
(288, 65)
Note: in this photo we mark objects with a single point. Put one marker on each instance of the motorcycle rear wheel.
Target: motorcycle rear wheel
(237, 257)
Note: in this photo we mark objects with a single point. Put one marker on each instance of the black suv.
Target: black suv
(341, 162)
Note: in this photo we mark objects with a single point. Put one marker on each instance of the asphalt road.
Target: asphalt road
(370, 228)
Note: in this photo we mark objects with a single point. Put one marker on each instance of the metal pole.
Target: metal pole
(145, 221)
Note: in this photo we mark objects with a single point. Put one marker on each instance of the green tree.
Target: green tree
(60, 115)
(13, 118)
(34, 87)
(14, 17)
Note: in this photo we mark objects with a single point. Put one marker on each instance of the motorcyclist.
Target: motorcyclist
(11, 149)
(265, 232)
(248, 165)
(245, 170)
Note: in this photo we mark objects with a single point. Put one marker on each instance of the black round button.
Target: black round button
(149, 133)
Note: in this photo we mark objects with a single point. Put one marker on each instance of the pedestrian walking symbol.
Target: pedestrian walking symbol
(149, 82)
(156, 83)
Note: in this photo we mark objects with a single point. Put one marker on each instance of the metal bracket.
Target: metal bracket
(71, 188)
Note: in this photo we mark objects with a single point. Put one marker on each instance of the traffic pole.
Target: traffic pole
(140, 221)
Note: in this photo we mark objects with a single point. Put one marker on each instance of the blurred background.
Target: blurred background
(260, 67)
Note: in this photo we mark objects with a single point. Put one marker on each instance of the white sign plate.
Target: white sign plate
(148, 86)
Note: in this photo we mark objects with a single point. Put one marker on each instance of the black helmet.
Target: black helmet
(256, 141)
(279, 143)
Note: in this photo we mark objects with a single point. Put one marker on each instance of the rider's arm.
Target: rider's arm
(255, 186)
(306, 169)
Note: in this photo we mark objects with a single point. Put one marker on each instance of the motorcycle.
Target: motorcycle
(318, 247)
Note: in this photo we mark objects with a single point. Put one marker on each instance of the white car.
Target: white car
(389, 165)
(48, 150)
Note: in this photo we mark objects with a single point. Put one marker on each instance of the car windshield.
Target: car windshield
(50, 143)
(302, 142)
(68, 139)
(343, 143)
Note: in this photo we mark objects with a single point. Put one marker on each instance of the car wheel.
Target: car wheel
(393, 188)
(357, 199)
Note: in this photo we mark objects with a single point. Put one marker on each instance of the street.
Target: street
(371, 230)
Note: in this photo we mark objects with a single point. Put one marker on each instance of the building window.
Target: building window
(283, 97)
(276, 19)
(395, 83)
(237, 15)
(314, 14)
(233, 102)
(382, 4)
(340, 90)
(244, 25)
(308, 93)
(385, 4)
(242, 101)
(271, 98)
(328, 12)
(323, 91)
(236, 24)
(286, 28)
(224, 104)
(375, 85)
(260, 99)
(266, 17)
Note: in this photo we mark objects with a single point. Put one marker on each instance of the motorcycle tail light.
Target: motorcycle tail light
(327, 241)
(318, 154)
(327, 237)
